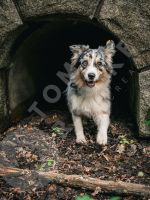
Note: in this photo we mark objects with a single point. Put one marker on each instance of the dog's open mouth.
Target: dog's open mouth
(90, 83)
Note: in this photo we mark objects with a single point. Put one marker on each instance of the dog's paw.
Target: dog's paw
(81, 140)
(102, 139)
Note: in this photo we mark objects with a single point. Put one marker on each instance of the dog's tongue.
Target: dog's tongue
(90, 84)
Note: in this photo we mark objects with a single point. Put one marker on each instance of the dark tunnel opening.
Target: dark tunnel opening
(43, 54)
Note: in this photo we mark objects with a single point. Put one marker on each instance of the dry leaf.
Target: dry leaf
(120, 148)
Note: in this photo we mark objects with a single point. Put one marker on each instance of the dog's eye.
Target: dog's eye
(85, 63)
(98, 64)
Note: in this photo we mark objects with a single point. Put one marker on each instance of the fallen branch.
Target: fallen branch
(102, 186)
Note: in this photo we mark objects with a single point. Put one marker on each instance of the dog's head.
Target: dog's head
(92, 66)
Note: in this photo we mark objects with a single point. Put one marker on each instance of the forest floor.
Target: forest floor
(49, 145)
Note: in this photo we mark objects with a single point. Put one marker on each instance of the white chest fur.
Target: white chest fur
(89, 101)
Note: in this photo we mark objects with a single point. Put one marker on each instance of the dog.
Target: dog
(88, 91)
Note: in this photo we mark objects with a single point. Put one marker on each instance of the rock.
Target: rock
(9, 21)
(34, 8)
(144, 103)
(9, 17)
(130, 21)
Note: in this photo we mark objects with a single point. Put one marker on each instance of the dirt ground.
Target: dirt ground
(49, 144)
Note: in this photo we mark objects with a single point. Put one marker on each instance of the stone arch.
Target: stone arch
(120, 18)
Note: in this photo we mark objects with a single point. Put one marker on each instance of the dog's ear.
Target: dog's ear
(77, 50)
(109, 51)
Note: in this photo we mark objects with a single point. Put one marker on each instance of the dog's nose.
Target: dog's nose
(91, 76)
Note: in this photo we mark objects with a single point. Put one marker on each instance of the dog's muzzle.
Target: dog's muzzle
(91, 83)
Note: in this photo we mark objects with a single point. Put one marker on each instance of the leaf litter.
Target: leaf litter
(45, 145)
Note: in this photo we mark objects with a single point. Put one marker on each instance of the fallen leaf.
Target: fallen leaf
(140, 174)
(132, 150)
(120, 148)
(97, 190)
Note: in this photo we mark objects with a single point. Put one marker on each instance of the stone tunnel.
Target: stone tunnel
(34, 40)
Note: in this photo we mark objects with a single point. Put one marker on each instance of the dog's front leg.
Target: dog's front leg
(80, 138)
(102, 125)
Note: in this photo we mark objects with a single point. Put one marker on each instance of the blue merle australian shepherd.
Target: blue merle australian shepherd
(88, 92)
